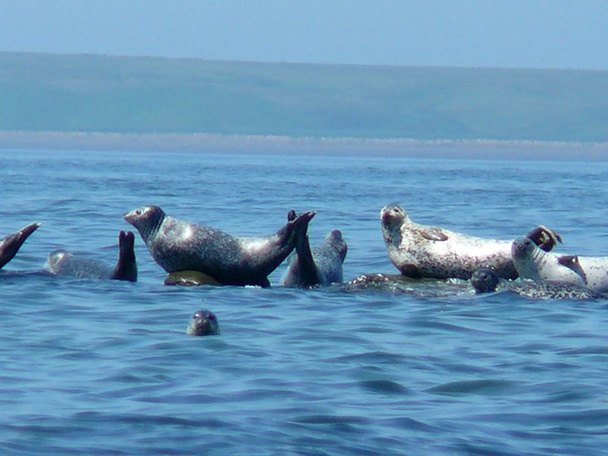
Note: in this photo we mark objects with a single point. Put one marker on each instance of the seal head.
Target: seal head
(203, 323)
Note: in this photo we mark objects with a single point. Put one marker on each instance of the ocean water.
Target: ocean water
(105, 367)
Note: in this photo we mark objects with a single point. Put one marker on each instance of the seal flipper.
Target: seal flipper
(544, 238)
(572, 262)
(10, 245)
(126, 267)
(433, 233)
(309, 275)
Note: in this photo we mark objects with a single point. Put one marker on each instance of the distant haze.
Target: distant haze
(488, 33)
(75, 93)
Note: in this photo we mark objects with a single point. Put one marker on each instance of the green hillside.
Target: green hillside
(152, 95)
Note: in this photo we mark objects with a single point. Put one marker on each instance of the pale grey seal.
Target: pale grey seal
(538, 265)
(64, 263)
(320, 266)
(426, 251)
(486, 281)
(203, 323)
(178, 245)
(535, 264)
(10, 245)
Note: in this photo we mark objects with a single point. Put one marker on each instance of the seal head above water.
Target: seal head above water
(203, 323)
(426, 251)
(178, 245)
(66, 264)
(10, 245)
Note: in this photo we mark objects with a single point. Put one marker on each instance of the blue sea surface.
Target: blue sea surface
(105, 367)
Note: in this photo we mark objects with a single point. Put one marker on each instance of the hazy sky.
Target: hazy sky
(497, 33)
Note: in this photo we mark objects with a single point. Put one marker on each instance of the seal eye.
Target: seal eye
(211, 317)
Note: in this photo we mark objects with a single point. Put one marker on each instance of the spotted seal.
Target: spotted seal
(178, 245)
(593, 270)
(486, 281)
(10, 244)
(321, 265)
(426, 251)
(66, 264)
(203, 323)
(535, 264)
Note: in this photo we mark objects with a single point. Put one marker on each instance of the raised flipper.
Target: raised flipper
(126, 267)
(10, 245)
(544, 238)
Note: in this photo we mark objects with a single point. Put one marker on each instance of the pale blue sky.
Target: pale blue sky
(485, 33)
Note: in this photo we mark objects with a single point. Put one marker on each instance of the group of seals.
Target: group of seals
(420, 251)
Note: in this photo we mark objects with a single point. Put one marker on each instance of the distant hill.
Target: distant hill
(90, 93)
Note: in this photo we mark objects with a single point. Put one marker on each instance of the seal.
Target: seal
(203, 323)
(178, 245)
(320, 266)
(426, 251)
(10, 244)
(66, 264)
(486, 281)
(535, 264)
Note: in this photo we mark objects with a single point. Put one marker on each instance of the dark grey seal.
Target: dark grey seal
(203, 323)
(177, 245)
(426, 251)
(63, 263)
(486, 281)
(10, 245)
(321, 265)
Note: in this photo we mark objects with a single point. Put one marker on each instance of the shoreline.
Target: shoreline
(258, 144)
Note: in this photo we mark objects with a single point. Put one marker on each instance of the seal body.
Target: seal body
(203, 323)
(66, 264)
(425, 251)
(178, 245)
(320, 266)
(10, 245)
(535, 264)
(486, 281)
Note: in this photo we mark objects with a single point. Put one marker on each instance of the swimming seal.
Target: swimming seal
(535, 264)
(203, 323)
(66, 264)
(178, 245)
(486, 281)
(10, 245)
(321, 265)
(426, 251)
